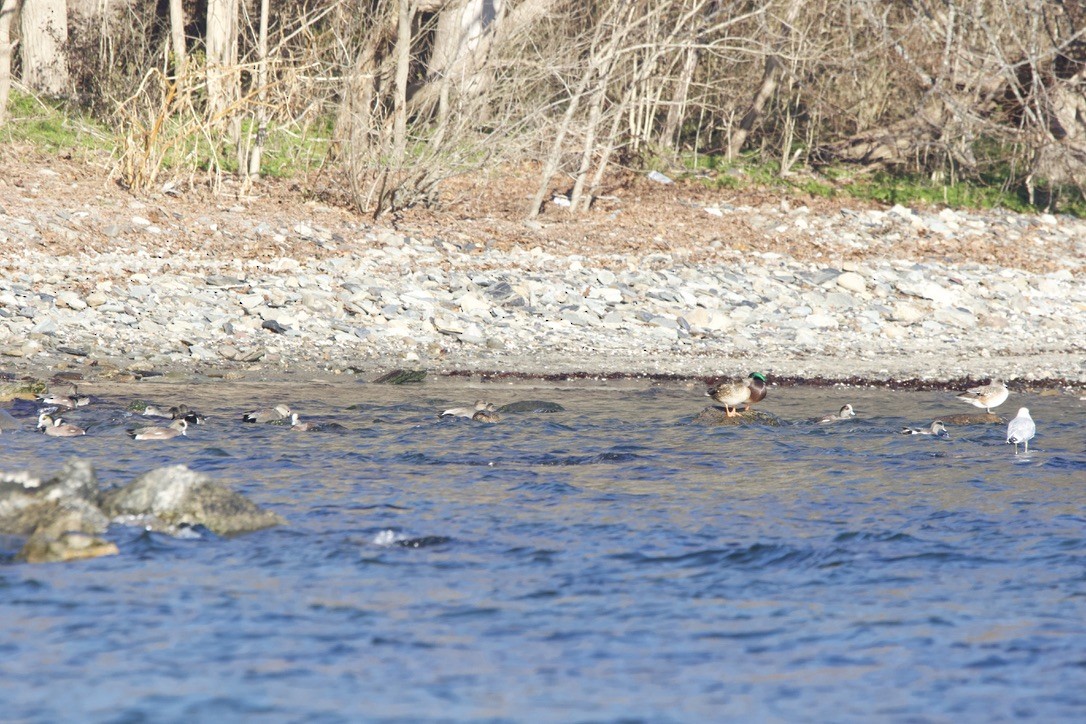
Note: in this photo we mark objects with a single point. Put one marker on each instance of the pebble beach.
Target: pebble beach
(113, 283)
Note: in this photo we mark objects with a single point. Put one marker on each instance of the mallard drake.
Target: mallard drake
(479, 406)
(987, 396)
(845, 413)
(57, 427)
(936, 428)
(740, 392)
(1021, 429)
(270, 414)
(175, 428)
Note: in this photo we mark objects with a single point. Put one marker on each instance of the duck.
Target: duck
(991, 395)
(270, 414)
(740, 392)
(297, 424)
(58, 428)
(175, 428)
(936, 428)
(845, 413)
(488, 416)
(182, 412)
(155, 411)
(479, 406)
(1021, 429)
(68, 402)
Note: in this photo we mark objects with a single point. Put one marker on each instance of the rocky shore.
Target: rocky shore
(107, 283)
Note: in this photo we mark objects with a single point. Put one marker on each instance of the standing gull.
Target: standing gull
(987, 396)
(1021, 429)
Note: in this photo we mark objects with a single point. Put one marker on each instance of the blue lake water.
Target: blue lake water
(610, 562)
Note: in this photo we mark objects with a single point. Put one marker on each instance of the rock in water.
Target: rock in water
(401, 377)
(178, 495)
(973, 418)
(531, 406)
(715, 416)
(24, 390)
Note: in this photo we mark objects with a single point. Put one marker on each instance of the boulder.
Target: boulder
(178, 496)
(715, 416)
(531, 406)
(973, 418)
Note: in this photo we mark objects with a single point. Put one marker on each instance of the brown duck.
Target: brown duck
(744, 392)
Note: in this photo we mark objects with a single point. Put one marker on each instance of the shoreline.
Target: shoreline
(104, 284)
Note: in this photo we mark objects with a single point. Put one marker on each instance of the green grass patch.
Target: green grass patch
(53, 126)
(988, 191)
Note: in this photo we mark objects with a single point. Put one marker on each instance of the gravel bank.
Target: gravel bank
(110, 284)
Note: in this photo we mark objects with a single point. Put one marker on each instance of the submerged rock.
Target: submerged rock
(22, 390)
(973, 418)
(69, 546)
(715, 416)
(401, 377)
(60, 515)
(178, 495)
(531, 406)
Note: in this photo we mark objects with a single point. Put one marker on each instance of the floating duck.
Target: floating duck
(741, 392)
(175, 428)
(845, 413)
(480, 406)
(937, 428)
(1021, 429)
(297, 424)
(490, 416)
(57, 427)
(270, 414)
(68, 402)
(987, 396)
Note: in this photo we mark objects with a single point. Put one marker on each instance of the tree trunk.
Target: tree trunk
(44, 34)
(177, 37)
(222, 54)
(467, 64)
(261, 92)
(770, 78)
(403, 65)
(7, 15)
(669, 134)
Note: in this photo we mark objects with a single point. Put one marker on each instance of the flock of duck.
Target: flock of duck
(731, 394)
(751, 390)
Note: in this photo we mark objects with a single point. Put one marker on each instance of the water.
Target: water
(612, 562)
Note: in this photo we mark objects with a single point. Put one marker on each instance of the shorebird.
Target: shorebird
(987, 396)
(1021, 429)
(480, 406)
(937, 428)
(845, 413)
(296, 424)
(270, 414)
(57, 427)
(740, 392)
(177, 427)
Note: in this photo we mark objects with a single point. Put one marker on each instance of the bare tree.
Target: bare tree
(7, 16)
(44, 34)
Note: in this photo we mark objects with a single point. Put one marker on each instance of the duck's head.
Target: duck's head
(757, 376)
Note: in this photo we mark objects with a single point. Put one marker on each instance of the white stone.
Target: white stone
(852, 281)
